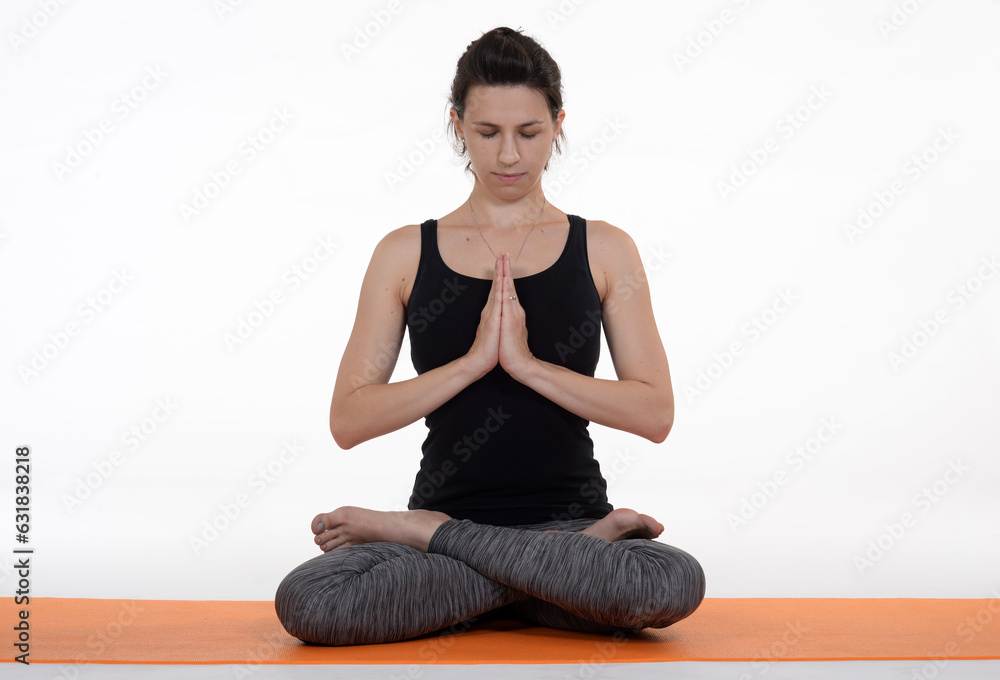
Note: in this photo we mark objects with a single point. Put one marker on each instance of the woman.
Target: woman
(508, 515)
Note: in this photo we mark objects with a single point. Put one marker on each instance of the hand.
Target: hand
(484, 353)
(514, 354)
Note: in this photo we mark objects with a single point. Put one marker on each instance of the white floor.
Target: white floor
(790, 670)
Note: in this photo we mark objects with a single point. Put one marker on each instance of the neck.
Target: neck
(507, 214)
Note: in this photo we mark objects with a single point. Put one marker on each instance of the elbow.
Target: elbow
(664, 422)
(342, 435)
(659, 436)
(342, 439)
(348, 425)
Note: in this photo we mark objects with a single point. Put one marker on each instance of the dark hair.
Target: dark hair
(504, 56)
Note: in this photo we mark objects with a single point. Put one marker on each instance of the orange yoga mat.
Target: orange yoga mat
(722, 629)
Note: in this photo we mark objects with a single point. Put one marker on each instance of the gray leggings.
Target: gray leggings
(384, 592)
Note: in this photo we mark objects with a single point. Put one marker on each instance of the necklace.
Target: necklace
(522, 242)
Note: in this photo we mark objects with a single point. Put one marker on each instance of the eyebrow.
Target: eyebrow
(486, 122)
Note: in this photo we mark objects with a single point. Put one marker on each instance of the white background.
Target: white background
(890, 82)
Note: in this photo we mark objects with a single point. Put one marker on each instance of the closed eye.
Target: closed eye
(494, 133)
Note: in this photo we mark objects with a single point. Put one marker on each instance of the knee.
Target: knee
(291, 604)
(677, 587)
(691, 581)
(330, 600)
(308, 607)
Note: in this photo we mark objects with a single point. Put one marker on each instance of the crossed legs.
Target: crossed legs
(392, 576)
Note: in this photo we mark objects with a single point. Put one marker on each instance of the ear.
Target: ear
(453, 113)
(558, 122)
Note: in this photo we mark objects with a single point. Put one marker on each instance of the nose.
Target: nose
(508, 152)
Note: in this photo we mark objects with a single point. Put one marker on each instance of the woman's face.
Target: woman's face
(508, 132)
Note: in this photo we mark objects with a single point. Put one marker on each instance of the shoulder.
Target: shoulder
(397, 247)
(611, 248)
(400, 238)
(396, 258)
(608, 237)
(612, 254)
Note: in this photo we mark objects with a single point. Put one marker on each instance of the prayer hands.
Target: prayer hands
(502, 336)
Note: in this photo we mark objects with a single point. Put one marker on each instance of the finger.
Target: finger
(503, 273)
(509, 280)
(496, 287)
(503, 278)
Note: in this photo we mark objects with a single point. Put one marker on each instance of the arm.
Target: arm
(641, 401)
(365, 405)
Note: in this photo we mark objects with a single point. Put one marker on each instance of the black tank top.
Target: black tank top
(498, 452)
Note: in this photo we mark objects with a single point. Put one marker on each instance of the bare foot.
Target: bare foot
(349, 525)
(624, 523)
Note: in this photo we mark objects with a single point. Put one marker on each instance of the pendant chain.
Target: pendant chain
(522, 242)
